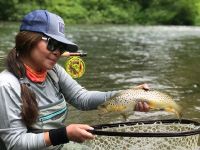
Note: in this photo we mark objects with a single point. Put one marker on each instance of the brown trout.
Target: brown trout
(125, 101)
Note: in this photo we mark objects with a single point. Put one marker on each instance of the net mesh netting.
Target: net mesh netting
(151, 136)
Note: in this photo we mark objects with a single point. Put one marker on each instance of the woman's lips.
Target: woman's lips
(53, 60)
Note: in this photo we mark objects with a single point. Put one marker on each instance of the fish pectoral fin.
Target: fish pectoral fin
(124, 116)
(100, 114)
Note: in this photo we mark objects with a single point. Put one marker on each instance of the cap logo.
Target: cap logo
(61, 28)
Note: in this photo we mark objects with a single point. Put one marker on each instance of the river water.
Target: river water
(120, 57)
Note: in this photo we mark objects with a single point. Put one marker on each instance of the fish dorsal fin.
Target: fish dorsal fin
(118, 94)
(137, 88)
(121, 92)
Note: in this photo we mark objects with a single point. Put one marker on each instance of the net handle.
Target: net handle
(145, 134)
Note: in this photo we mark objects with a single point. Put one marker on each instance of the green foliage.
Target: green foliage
(157, 12)
(197, 16)
(71, 12)
(13, 10)
(185, 13)
(170, 12)
(7, 8)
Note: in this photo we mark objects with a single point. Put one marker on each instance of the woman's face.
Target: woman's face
(41, 58)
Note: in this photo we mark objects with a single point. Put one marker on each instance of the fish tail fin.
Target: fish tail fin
(175, 109)
(178, 111)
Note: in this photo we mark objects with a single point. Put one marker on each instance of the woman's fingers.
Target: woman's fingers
(143, 86)
(79, 132)
(85, 132)
(146, 86)
(87, 135)
(142, 106)
(146, 107)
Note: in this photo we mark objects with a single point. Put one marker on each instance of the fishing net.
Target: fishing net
(147, 135)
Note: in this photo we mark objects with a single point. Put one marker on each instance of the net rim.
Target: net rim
(96, 130)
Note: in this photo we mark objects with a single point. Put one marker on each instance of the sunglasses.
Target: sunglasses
(53, 45)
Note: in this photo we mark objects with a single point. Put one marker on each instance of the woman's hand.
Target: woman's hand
(141, 105)
(143, 86)
(78, 132)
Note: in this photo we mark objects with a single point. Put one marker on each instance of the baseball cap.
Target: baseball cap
(49, 24)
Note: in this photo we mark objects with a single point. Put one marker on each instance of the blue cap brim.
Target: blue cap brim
(70, 47)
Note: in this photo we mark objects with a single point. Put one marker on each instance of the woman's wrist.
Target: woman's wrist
(47, 139)
(58, 136)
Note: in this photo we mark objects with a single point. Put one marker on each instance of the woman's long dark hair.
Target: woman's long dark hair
(25, 41)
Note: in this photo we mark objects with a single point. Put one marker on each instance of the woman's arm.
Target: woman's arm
(12, 129)
(77, 95)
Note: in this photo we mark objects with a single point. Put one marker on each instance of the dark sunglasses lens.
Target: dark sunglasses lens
(51, 45)
(54, 45)
(62, 48)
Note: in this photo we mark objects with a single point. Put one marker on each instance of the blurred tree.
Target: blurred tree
(7, 8)
(179, 12)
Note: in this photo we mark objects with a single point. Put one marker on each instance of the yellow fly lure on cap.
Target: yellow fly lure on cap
(125, 101)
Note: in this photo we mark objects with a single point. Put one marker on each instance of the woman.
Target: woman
(34, 89)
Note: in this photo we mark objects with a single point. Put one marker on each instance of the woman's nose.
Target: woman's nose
(57, 52)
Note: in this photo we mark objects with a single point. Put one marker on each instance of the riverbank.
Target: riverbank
(137, 12)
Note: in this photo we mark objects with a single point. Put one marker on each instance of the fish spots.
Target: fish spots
(126, 100)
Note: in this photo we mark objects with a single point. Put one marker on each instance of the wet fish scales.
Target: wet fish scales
(125, 101)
